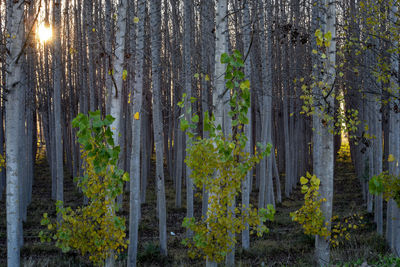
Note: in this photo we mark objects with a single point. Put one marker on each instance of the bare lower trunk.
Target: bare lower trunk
(135, 177)
(15, 27)
(157, 121)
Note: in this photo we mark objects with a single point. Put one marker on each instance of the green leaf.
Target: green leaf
(195, 118)
(184, 125)
(225, 58)
(245, 85)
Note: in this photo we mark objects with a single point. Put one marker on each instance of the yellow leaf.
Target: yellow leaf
(391, 158)
(304, 188)
(135, 19)
(93, 30)
(207, 78)
(124, 74)
(303, 180)
(136, 116)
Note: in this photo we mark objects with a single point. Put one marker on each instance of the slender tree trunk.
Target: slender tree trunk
(15, 27)
(323, 150)
(221, 47)
(155, 22)
(136, 138)
(57, 101)
(393, 209)
(108, 48)
(118, 79)
(247, 128)
(207, 60)
(187, 52)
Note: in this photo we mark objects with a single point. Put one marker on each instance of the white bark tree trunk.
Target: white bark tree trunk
(323, 150)
(136, 138)
(221, 47)
(155, 22)
(15, 27)
(246, 190)
(116, 96)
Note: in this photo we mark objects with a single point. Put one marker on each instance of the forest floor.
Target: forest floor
(284, 245)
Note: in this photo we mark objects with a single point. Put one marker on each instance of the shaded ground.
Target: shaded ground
(285, 245)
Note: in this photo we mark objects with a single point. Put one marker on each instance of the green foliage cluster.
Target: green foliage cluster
(312, 220)
(380, 26)
(386, 184)
(220, 165)
(94, 229)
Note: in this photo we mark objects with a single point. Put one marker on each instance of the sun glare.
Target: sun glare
(44, 33)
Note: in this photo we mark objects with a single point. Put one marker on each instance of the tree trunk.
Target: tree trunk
(246, 190)
(15, 27)
(187, 52)
(57, 101)
(323, 150)
(221, 47)
(136, 138)
(155, 22)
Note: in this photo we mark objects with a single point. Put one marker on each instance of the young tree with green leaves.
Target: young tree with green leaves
(220, 164)
(93, 229)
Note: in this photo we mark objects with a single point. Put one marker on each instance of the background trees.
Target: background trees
(135, 60)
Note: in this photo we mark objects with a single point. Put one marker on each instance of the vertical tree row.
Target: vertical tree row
(134, 60)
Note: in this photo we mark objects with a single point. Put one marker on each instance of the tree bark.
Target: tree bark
(15, 27)
(155, 22)
(136, 138)
(323, 150)
(57, 101)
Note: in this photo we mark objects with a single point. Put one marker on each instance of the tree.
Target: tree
(246, 189)
(187, 47)
(57, 63)
(323, 153)
(219, 92)
(118, 78)
(137, 93)
(14, 85)
(155, 21)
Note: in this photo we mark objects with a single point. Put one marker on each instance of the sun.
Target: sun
(44, 33)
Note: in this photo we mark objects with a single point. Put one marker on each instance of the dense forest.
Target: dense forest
(199, 132)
